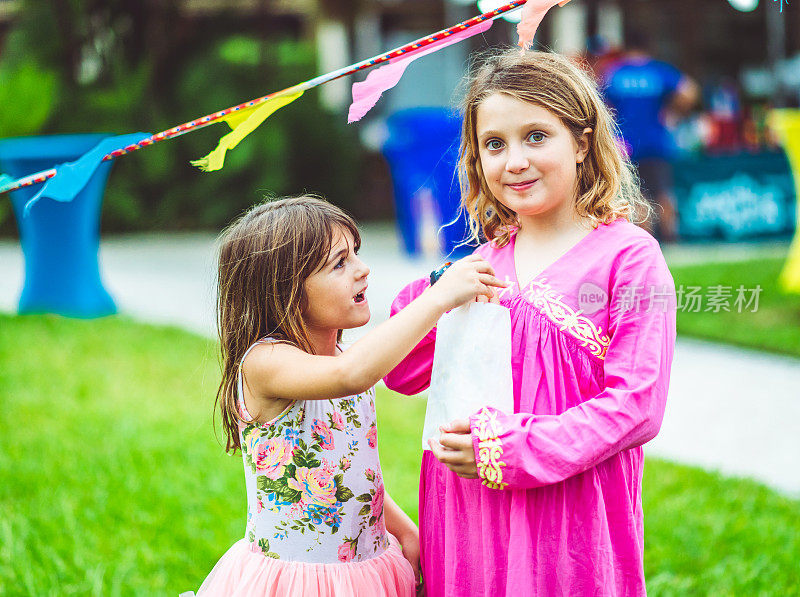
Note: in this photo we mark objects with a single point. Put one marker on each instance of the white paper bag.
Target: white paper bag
(471, 366)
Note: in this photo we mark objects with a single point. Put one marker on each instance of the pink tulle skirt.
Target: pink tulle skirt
(243, 573)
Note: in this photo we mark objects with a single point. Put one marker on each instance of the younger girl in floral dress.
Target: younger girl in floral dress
(302, 410)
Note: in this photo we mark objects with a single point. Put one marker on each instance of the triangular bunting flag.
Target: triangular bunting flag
(71, 177)
(533, 12)
(243, 122)
(366, 93)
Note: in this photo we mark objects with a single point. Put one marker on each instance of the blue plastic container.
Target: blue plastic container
(422, 151)
(60, 241)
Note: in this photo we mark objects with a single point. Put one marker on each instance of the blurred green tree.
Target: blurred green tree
(119, 66)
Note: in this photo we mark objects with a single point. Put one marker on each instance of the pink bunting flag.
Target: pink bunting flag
(532, 14)
(366, 93)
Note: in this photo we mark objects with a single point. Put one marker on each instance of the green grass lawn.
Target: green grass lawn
(774, 326)
(112, 481)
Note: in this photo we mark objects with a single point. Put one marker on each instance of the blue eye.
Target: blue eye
(494, 144)
(536, 136)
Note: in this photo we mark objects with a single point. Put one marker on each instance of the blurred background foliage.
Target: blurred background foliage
(122, 66)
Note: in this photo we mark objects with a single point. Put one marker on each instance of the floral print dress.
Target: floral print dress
(315, 494)
(314, 485)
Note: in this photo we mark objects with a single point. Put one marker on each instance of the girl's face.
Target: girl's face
(336, 292)
(528, 157)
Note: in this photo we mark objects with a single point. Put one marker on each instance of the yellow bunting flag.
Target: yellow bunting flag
(786, 123)
(243, 122)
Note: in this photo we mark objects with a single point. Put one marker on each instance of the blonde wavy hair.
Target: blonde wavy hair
(607, 186)
(265, 257)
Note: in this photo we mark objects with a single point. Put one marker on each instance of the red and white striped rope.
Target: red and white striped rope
(204, 121)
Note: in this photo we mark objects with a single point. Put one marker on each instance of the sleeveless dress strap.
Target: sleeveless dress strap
(240, 378)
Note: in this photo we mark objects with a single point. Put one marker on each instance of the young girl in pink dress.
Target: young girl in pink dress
(546, 500)
(301, 410)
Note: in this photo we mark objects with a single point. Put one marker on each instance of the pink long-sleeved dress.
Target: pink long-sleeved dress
(557, 510)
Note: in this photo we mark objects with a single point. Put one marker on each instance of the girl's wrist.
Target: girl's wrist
(407, 535)
(401, 526)
(437, 301)
(438, 273)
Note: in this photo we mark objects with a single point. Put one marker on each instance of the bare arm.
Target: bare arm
(399, 524)
(284, 371)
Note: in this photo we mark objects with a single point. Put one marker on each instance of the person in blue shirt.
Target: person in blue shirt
(642, 90)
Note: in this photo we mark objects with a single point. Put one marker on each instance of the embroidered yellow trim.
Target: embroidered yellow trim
(542, 295)
(490, 449)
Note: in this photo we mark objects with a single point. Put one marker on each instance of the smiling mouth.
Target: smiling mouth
(360, 297)
(522, 186)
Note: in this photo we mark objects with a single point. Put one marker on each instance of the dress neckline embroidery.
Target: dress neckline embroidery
(540, 294)
(592, 337)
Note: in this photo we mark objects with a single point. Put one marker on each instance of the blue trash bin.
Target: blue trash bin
(422, 151)
(60, 241)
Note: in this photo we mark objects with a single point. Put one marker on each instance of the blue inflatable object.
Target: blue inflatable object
(60, 241)
(422, 151)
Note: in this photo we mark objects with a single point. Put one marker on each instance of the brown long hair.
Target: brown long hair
(607, 184)
(265, 257)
